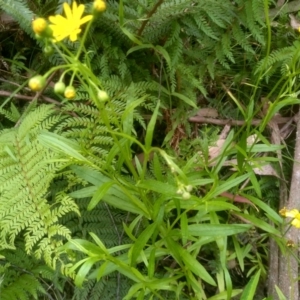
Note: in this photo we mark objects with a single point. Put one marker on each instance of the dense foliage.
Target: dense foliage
(121, 191)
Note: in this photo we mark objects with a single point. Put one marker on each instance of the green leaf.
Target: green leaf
(131, 36)
(121, 13)
(141, 242)
(194, 265)
(264, 148)
(99, 194)
(259, 223)
(98, 242)
(239, 253)
(265, 207)
(84, 193)
(127, 204)
(127, 115)
(184, 228)
(151, 265)
(157, 186)
(275, 107)
(185, 99)
(217, 230)
(139, 47)
(101, 270)
(164, 53)
(279, 293)
(226, 186)
(150, 127)
(85, 268)
(224, 295)
(250, 289)
(61, 144)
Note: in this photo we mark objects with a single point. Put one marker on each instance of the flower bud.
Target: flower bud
(36, 83)
(99, 6)
(59, 87)
(39, 25)
(70, 92)
(186, 195)
(179, 191)
(189, 188)
(102, 96)
(41, 29)
(48, 50)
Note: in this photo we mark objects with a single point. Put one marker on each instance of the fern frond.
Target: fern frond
(20, 11)
(27, 169)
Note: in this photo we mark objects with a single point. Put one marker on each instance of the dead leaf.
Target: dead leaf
(266, 170)
(208, 112)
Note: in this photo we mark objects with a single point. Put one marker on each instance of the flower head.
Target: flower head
(293, 213)
(99, 5)
(70, 92)
(70, 25)
(39, 25)
(36, 83)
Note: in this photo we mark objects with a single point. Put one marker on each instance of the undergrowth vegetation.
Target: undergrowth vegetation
(146, 158)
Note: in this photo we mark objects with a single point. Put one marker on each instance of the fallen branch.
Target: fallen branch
(29, 98)
(200, 119)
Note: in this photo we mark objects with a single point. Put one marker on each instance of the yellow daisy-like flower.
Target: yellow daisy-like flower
(63, 27)
(293, 213)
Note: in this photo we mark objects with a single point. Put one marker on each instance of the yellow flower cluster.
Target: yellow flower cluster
(293, 213)
(57, 29)
(69, 26)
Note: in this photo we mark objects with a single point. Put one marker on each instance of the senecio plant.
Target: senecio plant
(53, 33)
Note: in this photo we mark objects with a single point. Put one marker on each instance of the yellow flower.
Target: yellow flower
(70, 25)
(99, 5)
(293, 213)
(39, 25)
(70, 92)
(36, 83)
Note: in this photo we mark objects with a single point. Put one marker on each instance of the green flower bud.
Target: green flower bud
(102, 96)
(48, 50)
(189, 188)
(179, 191)
(59, 87)
(186, 195)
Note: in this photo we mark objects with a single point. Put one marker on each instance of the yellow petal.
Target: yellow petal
(73, 35)
(58, 19)
(292, 213)
(85, 19)
(77, 13)
(296, 223)
(67, 10)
